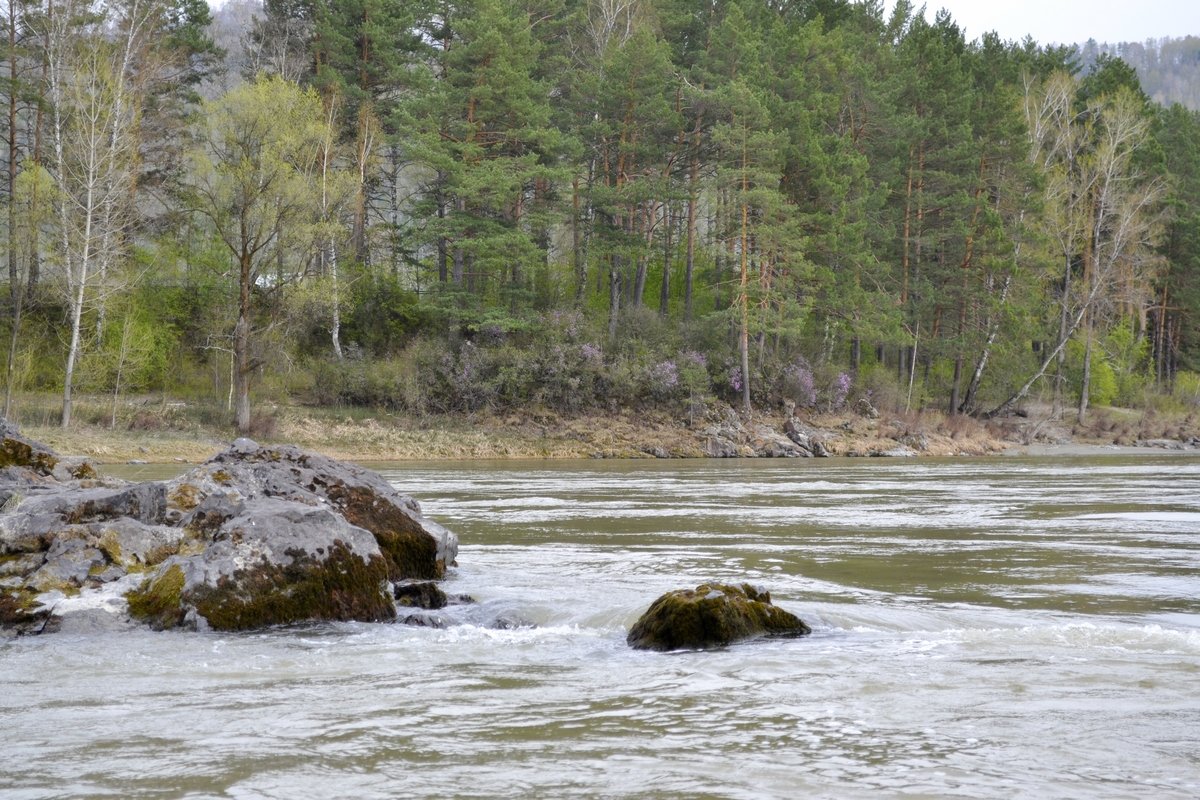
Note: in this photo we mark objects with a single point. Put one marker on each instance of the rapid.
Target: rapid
(983, 628)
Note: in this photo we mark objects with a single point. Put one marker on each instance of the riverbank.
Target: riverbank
(173, 434)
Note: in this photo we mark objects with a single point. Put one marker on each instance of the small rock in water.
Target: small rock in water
(425, 595)
(711, 615)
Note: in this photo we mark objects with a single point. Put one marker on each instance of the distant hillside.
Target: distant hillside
(1169, 68)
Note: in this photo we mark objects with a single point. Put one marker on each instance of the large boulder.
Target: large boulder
(256, 536)
(411, 546)
(711, 615)
(275, 562)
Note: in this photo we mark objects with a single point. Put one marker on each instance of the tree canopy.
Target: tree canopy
(448, 205)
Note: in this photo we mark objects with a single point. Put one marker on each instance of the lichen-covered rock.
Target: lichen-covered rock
(711, 615)
(27, 460)
(17, 451)
(256, 536)
(412, 546)
(276, 562)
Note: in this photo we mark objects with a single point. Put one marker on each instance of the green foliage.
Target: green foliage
(135, 349)
(1102, 383)
(1129, 356)
(1187, 389)
(585, 205)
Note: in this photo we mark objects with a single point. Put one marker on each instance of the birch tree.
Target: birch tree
(1101, 210)
(92, 121)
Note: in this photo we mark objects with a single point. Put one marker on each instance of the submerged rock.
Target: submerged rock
(425, 595)
(711, 615)
(256, 536)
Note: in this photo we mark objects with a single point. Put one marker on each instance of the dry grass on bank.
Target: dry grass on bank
(150, 430)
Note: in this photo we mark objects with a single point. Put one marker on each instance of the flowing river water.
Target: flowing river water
(983, 628)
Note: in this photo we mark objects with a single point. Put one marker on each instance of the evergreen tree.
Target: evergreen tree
(1176, 313)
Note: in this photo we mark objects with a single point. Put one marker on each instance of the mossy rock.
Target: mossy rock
(408, 550)
(425, 595)
(184, 497)
(158, 601)
(84, 471)
(340, 587)
(19, 453)
(711, 615)
(20, 612)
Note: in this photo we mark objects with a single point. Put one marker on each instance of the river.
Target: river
(983, 628)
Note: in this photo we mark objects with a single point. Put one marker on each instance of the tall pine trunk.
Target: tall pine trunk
(744, 284)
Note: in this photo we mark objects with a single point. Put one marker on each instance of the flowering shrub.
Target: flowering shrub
(840, 391)
(550, 371)
(799, 384)
(662, 380)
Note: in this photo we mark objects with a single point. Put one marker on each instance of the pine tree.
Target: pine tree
(1176, 313)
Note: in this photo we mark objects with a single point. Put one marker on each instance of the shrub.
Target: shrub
(879, 386)
(357, 383)
(799, 384)
(1186, 389)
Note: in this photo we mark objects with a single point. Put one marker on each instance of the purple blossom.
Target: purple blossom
(591, 353)
(693, 357)
(800, 383)
(664, 376)
(735, 378)
(841, 390)
(567, 321)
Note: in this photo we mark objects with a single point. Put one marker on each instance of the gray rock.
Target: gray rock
(256, 536)
(810, 442)
(24, 454)
(915, 441)
(69, 562)
(769, 443)
(144, 502)
(21, 564)
(863, 407)
(1163, 444)
(895, 452)
(413, 546)
(718, 447)
(135, 545)
(90, 621)
(276, 562)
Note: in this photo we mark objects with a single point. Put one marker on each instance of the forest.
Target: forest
(449, 206)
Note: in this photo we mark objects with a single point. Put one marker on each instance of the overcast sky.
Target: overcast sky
(1062, 21)
(1071, 21)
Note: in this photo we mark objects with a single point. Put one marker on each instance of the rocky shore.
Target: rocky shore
(716, 430)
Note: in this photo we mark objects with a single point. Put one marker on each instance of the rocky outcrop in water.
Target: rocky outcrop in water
(711, 615)
(256, 536)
